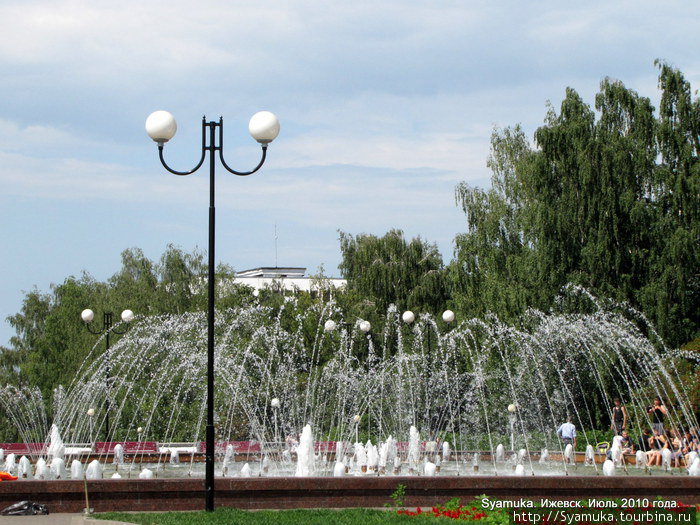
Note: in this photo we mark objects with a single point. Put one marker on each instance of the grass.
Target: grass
(452, 511)
(225, 516)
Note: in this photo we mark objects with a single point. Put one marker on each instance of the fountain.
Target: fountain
(58, 468)
(609, 468)
(24, 468)
(305, 453)
(42, 471)
(57, 449)
(94, 470)
(419, 400)
(118, 454)
(10, 463)
(76, 469)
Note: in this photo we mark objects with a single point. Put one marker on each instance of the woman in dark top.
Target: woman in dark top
(658, 412)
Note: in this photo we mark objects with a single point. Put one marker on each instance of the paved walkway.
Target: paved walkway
(55, 519)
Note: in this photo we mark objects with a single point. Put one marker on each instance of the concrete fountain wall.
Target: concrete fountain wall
(286, 493)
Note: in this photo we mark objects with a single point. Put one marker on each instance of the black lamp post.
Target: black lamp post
(161, 127)
(87, 316)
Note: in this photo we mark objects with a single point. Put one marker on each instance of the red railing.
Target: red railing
(24, 448)
(130, 447)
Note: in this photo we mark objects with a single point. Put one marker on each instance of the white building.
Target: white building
(287, 278)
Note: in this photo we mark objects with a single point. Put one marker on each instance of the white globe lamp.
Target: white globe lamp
(127, 316)
(264, 127)
(448, 316)
(408, 317)
(161, 126)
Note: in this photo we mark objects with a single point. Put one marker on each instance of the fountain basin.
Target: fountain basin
(290, 492)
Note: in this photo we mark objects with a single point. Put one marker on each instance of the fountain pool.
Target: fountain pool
(379, 403)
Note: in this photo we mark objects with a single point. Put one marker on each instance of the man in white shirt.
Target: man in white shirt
(567, 432)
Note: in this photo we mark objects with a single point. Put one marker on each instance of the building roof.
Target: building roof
(274, 272)
(288, 277)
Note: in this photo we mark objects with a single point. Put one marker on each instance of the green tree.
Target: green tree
(610, 203)
(671, 294)
(493, 267)
(388, 270)
(51, 344)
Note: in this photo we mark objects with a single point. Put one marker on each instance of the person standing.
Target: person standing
(567, 432)
(658, 413)
(619, 417)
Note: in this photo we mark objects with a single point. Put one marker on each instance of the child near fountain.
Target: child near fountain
(626, 443)
(618, 417)
(675, 444)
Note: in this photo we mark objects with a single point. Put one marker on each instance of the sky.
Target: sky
(385, 106)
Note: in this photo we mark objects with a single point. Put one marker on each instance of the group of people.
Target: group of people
(652, 441)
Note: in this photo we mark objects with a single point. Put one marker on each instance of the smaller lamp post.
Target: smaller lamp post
(88, 316)
(511, 416)
(91, 415)
(356, 419)
(275, 404)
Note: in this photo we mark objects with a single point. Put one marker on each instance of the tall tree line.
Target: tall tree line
(608, 198)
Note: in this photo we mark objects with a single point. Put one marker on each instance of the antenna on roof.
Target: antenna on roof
(276, 246)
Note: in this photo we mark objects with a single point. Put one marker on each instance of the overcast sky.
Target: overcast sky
(385, 107)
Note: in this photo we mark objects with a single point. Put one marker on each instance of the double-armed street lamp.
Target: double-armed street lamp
(161, 127)
(332, 326)
(365, 326)
(408, 317)
(88, 316)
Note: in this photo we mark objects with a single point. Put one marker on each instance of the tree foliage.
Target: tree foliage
(608, 199)
(388, 270)
(50, 342)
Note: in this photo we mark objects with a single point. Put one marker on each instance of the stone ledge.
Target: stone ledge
(285, 493)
